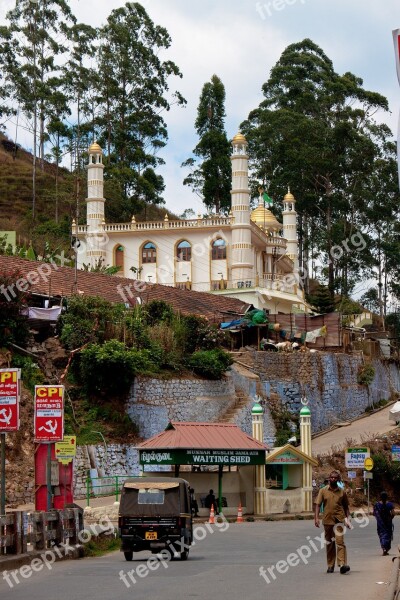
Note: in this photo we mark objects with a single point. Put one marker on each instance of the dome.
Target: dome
(305, 412)
(239, 139)
(257, 409)
(289, 197)
(95, 149)
(264, 218)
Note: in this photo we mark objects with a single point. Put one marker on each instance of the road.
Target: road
(358, 431)
(225, 565)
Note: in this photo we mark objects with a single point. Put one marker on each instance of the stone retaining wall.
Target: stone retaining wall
(154, 402)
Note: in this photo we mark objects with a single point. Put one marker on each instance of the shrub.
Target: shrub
(366, 374)
(158, 311)
(210, 363)
(88, 319)
(111, 368)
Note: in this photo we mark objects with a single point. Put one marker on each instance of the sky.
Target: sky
(240, 41)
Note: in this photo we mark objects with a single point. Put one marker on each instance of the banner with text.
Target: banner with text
(49, 413)
(10, 385)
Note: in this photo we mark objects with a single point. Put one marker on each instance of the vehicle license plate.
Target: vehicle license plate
(150, 535)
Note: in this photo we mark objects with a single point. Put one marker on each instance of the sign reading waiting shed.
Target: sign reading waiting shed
(202, 457)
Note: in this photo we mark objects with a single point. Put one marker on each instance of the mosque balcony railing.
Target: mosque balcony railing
(276, 242)
(212, 221)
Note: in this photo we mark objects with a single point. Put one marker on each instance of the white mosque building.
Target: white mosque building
(247, 255)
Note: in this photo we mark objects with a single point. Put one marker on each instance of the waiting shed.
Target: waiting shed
(207, 444)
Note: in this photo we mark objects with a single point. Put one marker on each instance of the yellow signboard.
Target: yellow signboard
(368, 464)
(66, 450)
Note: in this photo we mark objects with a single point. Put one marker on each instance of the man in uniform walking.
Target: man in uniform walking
(336, 518)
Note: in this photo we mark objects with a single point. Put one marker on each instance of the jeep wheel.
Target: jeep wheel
(128, 555)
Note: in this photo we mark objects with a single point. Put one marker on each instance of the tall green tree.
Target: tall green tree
(30, 43)
(134, 82)
(315, 130)
(211, 178)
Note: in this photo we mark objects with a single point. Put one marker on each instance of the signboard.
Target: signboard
(286, 458)
(355, 457)
(9, 399)
(396, 453)
(49, 413)
(368, 464)
(368, 475)
(201, 457)
(352, 474)
(66, 450)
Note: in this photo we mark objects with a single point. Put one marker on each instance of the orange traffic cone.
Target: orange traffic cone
(240, 514)
(212, 515)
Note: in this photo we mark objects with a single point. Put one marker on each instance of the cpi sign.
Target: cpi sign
(49, 413)
(9, 399)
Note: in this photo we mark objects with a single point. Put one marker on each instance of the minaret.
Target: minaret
(95, 238)
(289, 219)
(257, 417)
(305, 446)
(242, 251)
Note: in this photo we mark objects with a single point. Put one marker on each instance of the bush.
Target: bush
(158, 311)
(111, 368)
(366, 374)
(211, 364)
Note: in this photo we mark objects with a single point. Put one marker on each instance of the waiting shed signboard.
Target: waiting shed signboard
(201, 457)
(9, 399)
(49, 413)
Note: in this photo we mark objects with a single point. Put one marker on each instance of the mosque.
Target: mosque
(248, 255)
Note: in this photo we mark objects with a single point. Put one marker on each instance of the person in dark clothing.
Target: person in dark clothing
(210, 501)
(384, 513)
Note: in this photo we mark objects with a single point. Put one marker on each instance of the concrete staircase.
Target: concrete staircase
(241, 401)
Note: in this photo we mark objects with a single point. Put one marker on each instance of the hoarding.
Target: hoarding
(10, 381)
(49, 413)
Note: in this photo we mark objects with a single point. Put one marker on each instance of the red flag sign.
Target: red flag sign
(9, 399)
(49, 413)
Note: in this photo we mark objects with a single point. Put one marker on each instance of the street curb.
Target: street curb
(11, 563)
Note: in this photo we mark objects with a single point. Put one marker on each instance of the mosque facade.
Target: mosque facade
(247, 255)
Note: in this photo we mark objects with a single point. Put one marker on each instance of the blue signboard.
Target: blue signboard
(396, 453)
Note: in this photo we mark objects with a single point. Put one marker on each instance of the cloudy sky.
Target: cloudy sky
(240, 41)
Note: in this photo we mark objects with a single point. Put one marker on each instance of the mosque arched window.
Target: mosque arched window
(218, 250)
(149, 253)
(184, 251)
(119, 257)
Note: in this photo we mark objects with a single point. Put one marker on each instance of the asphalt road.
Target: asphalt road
(355, 434)
(224, 565)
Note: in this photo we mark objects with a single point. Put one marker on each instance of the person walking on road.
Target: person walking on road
(384, 513)
(335, 519)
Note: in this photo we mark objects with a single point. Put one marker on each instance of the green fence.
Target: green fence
(105, 486)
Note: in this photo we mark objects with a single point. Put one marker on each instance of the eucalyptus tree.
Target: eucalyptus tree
(315, 130)
(133, 86)
(211, 178)
(29, 46)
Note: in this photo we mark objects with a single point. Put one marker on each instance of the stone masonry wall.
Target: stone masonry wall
(329, 382)
(155, 402)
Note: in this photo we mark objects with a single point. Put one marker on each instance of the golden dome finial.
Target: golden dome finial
(239, 139)
(95, 148)
(289, 196)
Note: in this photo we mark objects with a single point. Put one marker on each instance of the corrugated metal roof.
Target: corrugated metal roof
(218, 436)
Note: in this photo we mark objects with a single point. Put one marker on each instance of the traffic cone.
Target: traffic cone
(212, 515)
(240, 514)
